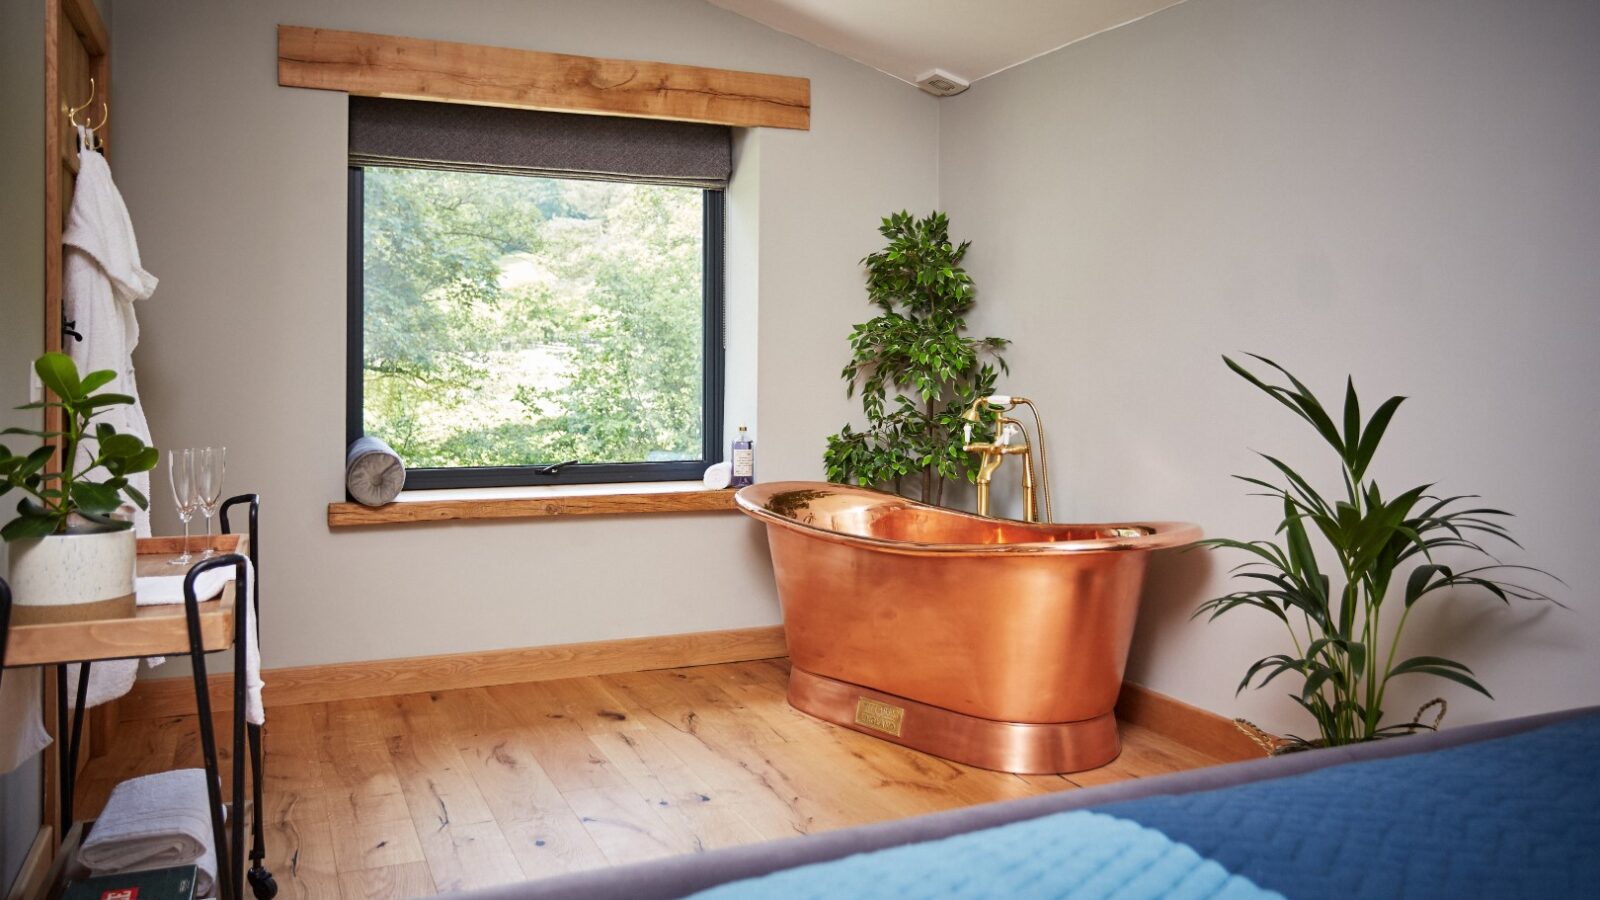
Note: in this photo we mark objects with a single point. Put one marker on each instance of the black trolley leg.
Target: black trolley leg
(258, 850)
(68, 737)
(5, 622)
(240, 689)
(262, 884)
(227, 887)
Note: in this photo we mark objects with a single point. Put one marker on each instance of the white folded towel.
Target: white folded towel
(160, 590)
(163, 590)
(153, 822)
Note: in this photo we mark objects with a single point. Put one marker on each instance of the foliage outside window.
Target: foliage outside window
(510, 322)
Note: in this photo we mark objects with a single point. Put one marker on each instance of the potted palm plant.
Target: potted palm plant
(70, 559)
(1378, 548)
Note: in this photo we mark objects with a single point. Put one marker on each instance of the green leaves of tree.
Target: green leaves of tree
(915, 369)
(1344, 655)
(55, 496)
(515, 320)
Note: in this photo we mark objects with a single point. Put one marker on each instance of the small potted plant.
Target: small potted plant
(70, 559)
(1377, 547)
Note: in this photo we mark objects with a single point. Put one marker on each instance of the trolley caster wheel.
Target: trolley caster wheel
(262, 883)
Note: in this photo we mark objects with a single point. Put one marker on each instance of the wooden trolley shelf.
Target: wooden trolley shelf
(150, 631)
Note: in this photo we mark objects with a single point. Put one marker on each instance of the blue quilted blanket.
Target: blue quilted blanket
(1077, 854)
(1513, 817)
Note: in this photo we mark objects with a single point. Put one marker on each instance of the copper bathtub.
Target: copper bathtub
(985, 641)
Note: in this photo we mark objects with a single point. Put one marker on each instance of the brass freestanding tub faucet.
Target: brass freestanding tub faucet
(1010, 439)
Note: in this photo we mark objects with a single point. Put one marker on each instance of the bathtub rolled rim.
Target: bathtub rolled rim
(1160, 535)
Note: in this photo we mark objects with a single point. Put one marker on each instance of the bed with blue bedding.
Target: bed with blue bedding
(1509, 809)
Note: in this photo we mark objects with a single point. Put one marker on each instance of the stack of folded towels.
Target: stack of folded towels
(154, 822)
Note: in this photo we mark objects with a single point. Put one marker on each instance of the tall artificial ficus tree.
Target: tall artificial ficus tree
(916, 370)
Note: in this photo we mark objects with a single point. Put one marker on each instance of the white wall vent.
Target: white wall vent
(940, 83)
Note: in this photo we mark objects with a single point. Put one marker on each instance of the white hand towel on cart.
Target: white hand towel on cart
(153, 822)
(162, 590)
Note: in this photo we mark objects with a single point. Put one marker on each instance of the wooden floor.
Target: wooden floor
(423, 793)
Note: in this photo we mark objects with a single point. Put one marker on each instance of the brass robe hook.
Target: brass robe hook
(105, 114)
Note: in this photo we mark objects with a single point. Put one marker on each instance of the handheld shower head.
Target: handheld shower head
(973, 417)
(970, 415)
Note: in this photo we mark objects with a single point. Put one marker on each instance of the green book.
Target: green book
(175, 883)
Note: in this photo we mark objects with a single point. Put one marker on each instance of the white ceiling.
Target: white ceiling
(971, 39)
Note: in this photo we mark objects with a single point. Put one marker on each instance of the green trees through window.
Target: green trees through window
(515, 321)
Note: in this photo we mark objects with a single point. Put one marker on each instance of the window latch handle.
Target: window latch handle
(554, 469)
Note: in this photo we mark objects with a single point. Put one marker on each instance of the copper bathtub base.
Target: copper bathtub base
(1023, 748)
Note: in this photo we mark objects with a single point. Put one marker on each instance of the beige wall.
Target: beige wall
(1403, 190)
(237, 188)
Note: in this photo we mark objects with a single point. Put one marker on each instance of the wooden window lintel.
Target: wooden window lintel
(377, 65)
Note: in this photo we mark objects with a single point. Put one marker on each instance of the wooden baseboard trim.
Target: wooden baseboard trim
(1190, 726)
(35, 869)
(156, 698)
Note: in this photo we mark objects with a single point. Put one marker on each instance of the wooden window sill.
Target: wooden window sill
(556, 501)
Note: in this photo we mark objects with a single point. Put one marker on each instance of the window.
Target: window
(528, 324)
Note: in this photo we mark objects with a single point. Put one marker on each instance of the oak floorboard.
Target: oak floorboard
(367, 845)
(558, 742)
(543, 851)
(744, 778)
(545, 835)
(464, 856)
(360, 784)
(434, 778)
(387, 882)
(451, 790)
(591, 704)
(300, 855)
(677, 794)
(626, 826)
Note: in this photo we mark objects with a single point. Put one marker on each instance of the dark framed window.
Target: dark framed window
(530, 324)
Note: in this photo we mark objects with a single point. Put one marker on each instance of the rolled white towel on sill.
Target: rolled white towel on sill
(153, 822)
(718, 476)
(373, 472)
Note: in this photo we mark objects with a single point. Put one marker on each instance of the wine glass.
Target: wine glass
(209, 465)
(180, 471)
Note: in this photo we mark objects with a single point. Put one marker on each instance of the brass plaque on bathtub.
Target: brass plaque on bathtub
(879, 716)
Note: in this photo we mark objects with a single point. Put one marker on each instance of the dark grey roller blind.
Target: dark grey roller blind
(421, 134)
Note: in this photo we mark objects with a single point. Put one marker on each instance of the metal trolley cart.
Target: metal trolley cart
(196, 628)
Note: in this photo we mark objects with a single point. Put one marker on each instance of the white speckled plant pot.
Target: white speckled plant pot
(72, 577)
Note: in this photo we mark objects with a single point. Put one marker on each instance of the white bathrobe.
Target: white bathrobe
(22, 731)
(102, 279)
